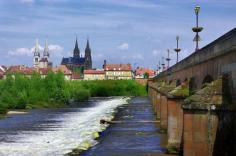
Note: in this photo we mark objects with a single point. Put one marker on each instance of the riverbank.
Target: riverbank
(130, 137)
(54, 91)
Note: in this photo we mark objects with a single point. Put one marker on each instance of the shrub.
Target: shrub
(81, 95)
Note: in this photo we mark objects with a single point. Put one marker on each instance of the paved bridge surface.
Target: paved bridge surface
(131, 138)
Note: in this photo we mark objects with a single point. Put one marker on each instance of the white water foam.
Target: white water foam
(71, 132)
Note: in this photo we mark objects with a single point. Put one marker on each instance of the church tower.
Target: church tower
(76, 50)
(88, 57)
(36, 54)
(46, 51)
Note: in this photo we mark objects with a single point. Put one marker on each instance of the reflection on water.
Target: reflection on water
(55, 131)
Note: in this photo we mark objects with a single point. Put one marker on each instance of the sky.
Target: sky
(138, 32)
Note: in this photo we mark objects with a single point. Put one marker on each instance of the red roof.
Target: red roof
(20, 69)
(94, 71)
(62, 68)
(43, 71)
(75, 76)
(114, 67)
(141, 71)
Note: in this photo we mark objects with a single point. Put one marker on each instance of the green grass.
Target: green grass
(53, 91)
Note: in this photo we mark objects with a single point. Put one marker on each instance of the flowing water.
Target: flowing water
(131, 137)
(55, 131)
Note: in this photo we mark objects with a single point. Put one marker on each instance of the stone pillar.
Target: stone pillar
(158, 106)
(163, 113)
(154, 100)
(199, 133)
(175, 125)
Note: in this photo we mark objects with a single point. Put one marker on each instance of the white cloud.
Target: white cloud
(155, 52)
(123, 46)
(53, 49)
(137, 56)
(30, 2)
(20, 52)
(129, 3)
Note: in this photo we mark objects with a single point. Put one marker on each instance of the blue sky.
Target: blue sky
(121, 31)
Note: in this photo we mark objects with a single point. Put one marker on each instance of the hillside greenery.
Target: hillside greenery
(53, 91)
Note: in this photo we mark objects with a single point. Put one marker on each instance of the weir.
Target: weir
(195, 100)
(133, 131)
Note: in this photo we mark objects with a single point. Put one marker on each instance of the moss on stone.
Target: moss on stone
(165, 88)
(180, 91)
(210, 94)
(172, 150)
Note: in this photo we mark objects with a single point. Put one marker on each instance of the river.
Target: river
(55, 131)
(46, 132)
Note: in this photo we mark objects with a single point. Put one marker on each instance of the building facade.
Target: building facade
(78, 61)
(94, 75)
(118, 71)
(141, 73)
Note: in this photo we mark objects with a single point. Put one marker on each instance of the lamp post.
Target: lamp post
(197, 29)
(168, 58)
(159, 67)
(163, 64)
(177, 50)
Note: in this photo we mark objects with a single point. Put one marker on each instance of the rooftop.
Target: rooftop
(114, 67)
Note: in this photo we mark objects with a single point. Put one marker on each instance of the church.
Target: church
(41, 62)
(78, 62)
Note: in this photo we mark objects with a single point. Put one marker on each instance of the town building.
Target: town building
(78, 63)
(76, 76)
(118, 71)
(62, 68)
(94, 74)
(3, 69)
(29, 71)
(44, 61)
(19, 69)
(141, 73)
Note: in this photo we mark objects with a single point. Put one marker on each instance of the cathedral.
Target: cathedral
(78, 62)
(44, 61)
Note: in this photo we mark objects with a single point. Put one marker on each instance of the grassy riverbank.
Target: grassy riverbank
(53, 91)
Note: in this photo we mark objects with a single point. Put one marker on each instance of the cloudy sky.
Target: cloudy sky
(121, 31)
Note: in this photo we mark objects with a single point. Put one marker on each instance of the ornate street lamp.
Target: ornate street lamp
(177, 50)
(159, 67)
(163, 64)
(197, 29)
(168, 58)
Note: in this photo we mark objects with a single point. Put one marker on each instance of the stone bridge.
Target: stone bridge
(195, 100)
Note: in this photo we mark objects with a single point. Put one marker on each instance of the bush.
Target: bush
(53, 91)
(81, 95)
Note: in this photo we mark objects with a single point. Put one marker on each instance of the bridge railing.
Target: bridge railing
(222, 45)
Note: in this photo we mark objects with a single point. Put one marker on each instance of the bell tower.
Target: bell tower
(36, 54)
(76, 49)
(88, 57)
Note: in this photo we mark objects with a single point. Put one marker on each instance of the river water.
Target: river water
(55, 131)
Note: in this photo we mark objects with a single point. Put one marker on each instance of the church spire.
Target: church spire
(88, 57)
(36, 49)
(76, 49)
(36, 54)
(46, 50)
(87, 46)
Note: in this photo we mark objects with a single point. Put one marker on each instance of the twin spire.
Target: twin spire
(45, 52)
(77, 51)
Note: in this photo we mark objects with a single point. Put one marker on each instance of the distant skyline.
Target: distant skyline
(121, 31)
